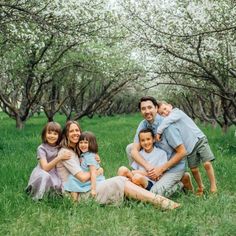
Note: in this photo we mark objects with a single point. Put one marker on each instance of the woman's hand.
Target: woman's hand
(65, 156)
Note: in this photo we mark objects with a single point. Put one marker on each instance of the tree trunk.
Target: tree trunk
(19, 123)
(225, 128)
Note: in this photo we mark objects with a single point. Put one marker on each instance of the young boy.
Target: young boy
(151, 154)
(198, 150)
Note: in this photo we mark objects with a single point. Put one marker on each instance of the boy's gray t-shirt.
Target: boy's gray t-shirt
(156, 157)
(189, 131)
(171, 139)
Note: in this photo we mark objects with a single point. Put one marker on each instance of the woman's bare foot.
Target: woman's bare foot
(176, 205)
(172, 206)
(167, 204)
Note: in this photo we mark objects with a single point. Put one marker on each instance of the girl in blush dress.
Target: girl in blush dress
(44, 176)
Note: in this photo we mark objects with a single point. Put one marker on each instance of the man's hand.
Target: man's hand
(66, 155)
(156, 173)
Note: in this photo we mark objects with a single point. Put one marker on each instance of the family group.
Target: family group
(167, 139)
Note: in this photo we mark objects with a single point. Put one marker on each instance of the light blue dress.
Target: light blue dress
(73, 184)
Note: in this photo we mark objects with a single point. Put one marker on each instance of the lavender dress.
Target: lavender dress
(40, 180)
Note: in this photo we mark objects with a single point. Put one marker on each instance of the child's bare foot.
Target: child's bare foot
(186, 180)
(124, 171)
(140, 180)
(213, 190)
(200, 191)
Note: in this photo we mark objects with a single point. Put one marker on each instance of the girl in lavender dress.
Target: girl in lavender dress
(44, 177)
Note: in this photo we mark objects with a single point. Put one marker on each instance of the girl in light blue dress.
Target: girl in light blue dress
(88, 148)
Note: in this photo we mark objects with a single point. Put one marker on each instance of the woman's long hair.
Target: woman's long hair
(65, 142)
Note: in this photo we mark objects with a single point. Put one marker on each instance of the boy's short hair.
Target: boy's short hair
(159, 103)
(147, 98)
(146, 131)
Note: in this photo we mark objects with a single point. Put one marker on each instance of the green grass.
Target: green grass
(19, 215)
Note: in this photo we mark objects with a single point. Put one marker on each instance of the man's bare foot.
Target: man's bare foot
(200, 191)
(186, 180)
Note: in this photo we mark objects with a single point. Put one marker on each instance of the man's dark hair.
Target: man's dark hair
(147, 98)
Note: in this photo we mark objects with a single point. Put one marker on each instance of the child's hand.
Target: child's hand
(97, 158)
(100, 171)
(65, 155)
(158, 137)
(93, 193)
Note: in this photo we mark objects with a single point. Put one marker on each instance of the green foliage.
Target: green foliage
(209, 215)
(188, 45)
(53, 42)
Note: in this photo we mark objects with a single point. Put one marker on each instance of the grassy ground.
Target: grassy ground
(19, 215)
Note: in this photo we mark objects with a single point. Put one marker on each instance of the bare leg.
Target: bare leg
(74, 196)
(140, 180)
(186, 180)
(211, 176)
(136, 192)
(198, 178)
